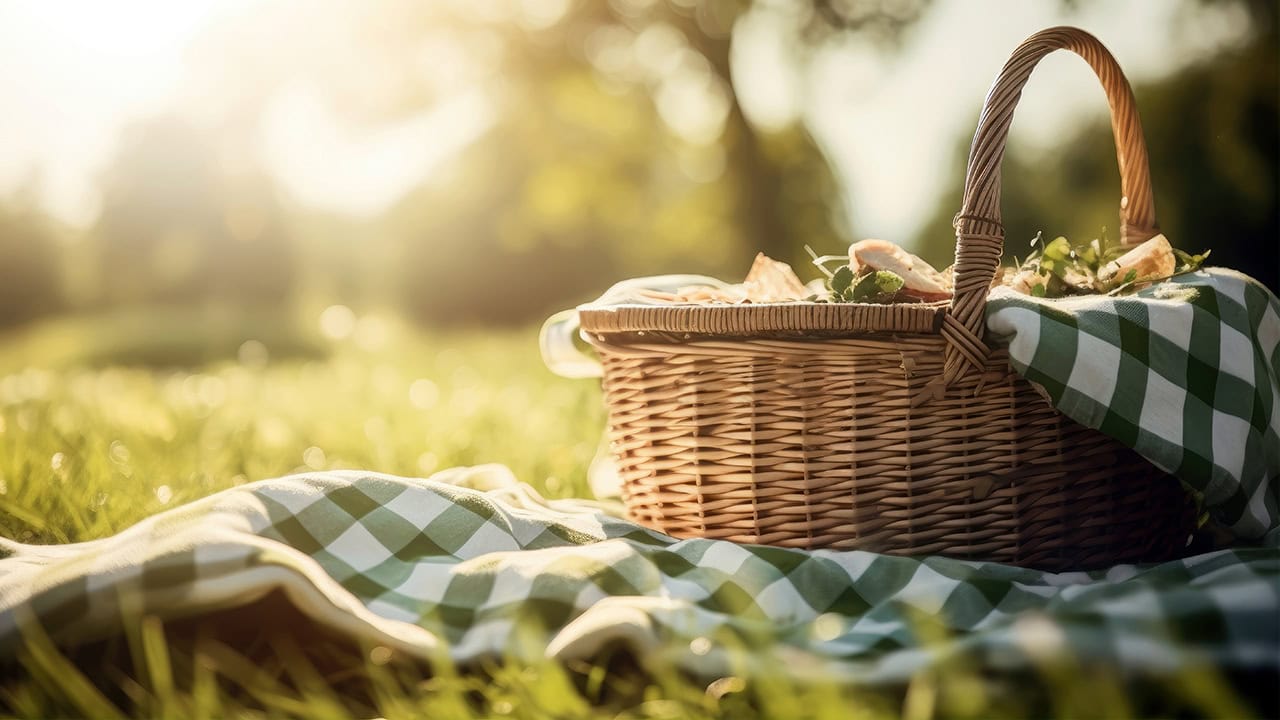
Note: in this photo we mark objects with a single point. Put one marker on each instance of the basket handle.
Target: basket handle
(979, 233)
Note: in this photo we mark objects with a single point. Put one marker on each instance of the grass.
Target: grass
(91, 442)
(88, 449)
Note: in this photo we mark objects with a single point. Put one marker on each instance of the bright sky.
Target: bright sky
(76, 73)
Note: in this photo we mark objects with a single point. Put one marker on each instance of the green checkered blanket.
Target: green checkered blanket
(461, 561)
(1186, 372)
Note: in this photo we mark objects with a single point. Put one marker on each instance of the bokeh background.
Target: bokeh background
(486, 162)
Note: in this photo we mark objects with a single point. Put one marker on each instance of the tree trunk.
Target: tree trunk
(758, 182)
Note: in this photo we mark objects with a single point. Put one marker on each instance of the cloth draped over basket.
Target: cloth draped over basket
(919, 428)
(1186, 372)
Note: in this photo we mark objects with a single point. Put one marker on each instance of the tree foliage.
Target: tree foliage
(622, 149)
(30, 266)
(617, 144)
(177, 225)
(1212, 142)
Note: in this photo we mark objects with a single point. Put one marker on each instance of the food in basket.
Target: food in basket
(1059, 268)
(879, 271)
(770, 280)
(1152, 259)
(919, 279)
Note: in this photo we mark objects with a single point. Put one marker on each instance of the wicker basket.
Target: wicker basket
(886, 428)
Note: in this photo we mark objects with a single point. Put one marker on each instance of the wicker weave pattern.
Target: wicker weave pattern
(889, 429)
(753, 320)
(803, 444)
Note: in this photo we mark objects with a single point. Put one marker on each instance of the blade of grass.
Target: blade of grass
(259, 685)
(60, 677)
(31, 518)
(1206, 690)
(204, 687)
(159, 668)
(323, 702)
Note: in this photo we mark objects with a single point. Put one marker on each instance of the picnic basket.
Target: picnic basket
(890, 428)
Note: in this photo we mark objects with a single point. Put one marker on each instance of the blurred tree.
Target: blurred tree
(180, 224)
(620, 148)
(1211, 135)
(30, 282)
(783, 193)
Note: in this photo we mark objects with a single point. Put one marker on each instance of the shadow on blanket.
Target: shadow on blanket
(268, 649)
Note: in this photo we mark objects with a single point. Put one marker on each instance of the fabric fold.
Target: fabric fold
(1186, 372)
(430, 566)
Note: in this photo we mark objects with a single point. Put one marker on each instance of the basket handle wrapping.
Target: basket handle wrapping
(979, 233)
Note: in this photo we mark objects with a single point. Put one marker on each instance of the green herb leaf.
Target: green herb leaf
(876, 286)
(841, 280)
(1088, 254)
(1067, 268)
(1059, 250)
(1189, 262)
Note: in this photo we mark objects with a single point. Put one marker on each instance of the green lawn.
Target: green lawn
(91, 440)
(86, 450)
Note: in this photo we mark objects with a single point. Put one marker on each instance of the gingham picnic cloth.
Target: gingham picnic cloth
(1186, 372)
(473, 563)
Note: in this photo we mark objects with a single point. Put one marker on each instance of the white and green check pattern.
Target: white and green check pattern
(1186, 372)
(443, 564)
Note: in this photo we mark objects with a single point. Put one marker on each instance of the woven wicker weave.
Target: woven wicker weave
(887, 428)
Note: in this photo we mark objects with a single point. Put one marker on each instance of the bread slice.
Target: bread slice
(1151, 260)
(920, 279)
(771, 280)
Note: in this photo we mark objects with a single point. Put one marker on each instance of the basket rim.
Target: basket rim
(746, 320)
